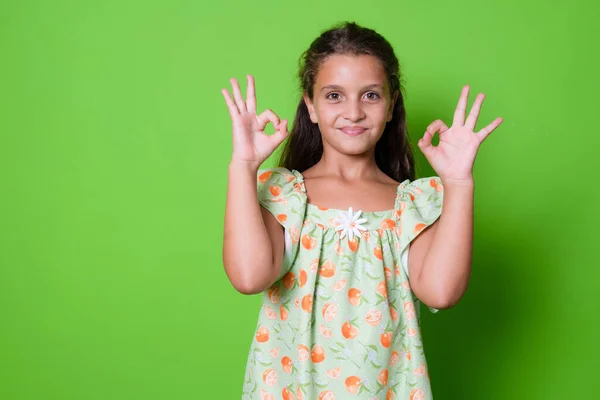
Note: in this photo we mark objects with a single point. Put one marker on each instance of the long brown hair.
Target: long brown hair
(304, 146)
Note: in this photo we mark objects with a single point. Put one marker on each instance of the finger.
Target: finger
(474, 114)
(267, 116)
(459, 114)
(425, 144)
(251, 95)
(237, 94)
(435, 126)
(425, 141)
(281, 133)
(233, 110)
(482, 134)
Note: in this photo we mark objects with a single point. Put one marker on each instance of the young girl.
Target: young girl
(327, 234)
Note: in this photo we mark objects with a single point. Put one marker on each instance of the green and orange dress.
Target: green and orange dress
(341, 322)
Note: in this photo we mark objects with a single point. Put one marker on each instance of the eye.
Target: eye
(374, 93)
(333, 93)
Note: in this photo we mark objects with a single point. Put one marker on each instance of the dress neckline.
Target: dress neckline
(315, 207)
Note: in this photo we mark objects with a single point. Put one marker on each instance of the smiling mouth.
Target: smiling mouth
(353, 131)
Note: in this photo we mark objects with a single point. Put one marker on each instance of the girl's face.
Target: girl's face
(351, 92)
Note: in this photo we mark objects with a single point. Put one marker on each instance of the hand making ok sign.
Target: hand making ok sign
(454, 156)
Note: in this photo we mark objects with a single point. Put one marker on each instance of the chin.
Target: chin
(353, 149)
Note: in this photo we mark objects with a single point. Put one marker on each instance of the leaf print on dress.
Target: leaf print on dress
(343, 353)
(371, 354)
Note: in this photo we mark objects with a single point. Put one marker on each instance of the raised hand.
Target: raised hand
(250, 143)
(454, 156)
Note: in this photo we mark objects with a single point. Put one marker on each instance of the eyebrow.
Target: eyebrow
(338, 87)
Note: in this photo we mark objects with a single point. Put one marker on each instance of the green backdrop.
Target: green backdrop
(115, 141)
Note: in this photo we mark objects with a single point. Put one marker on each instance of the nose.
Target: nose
(354, 111)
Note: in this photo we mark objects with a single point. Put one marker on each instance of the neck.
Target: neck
(347, 167)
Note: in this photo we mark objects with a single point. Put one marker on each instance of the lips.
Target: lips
(353, 131)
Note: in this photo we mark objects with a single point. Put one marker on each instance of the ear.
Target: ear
(311, 108)
(391, 110)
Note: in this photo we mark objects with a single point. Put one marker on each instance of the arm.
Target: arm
(253, 239)
(440, 257)
(444, 268)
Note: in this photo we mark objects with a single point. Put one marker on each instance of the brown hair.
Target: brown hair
(304, 146)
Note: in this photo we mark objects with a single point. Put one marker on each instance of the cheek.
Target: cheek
(327, 117)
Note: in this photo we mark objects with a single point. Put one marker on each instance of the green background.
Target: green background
(115, 141)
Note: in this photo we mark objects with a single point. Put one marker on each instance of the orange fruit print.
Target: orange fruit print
(382, 378)
(327, 395)
(270, 377)
(378, 252)
(283, 313)
(327, 270)
(317, 354)
(382, 289)
(262, 335)
(354, 296)
(286, 394)
(273, 294)
(308, 242)
(275, 190)
(264, 395)
(390, 395)
(329, 311)
(417, 394)
(349, 331)
(353, 384)
(288, 280)
(307, 303)
(286, 364)
(303, 353)
(386, 339)
(303, 278)
(264, 177)
(373, 317)
(353, 244)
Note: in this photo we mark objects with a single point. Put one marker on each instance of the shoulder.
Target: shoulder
(280, 189)
(276, 175)
(422, 191)
(418, 204)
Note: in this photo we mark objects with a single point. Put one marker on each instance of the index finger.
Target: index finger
(251, 95)
(459, 114)
(233, 109)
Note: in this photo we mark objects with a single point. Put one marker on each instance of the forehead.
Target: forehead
(350, 71)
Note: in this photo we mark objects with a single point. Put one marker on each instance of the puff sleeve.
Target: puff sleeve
(282, 193)
(417, 206)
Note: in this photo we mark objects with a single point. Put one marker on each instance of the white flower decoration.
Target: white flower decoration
(349, 224)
